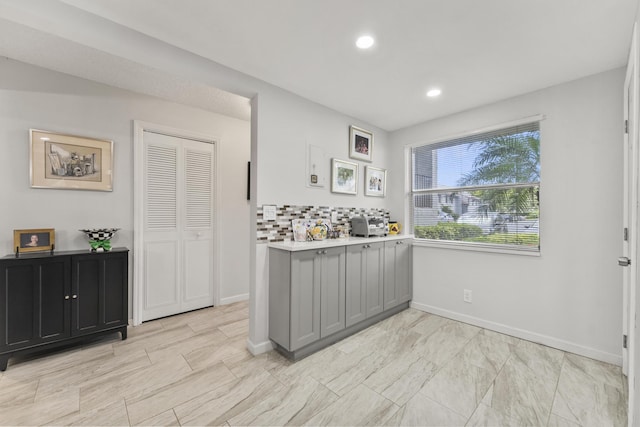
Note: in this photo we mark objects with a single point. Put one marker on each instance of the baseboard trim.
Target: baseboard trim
(259, 348)
(547, 340)
(235, 298)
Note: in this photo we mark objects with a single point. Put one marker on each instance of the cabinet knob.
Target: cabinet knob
(74, 296)
(66, 297)
(324, 252)
(399, 243)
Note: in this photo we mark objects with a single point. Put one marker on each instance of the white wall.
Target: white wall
(283, 125)
(32, 97)
(571, 296)
(286, 125)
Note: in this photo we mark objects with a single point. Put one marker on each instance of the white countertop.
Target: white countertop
(292, 246)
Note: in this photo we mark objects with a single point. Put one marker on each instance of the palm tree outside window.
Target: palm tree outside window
(486, 188)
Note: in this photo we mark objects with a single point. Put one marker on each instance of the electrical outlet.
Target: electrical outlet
(468, 295)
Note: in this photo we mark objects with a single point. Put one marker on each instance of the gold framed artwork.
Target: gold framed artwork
(360, 144)
(34, 239)
(70, 162)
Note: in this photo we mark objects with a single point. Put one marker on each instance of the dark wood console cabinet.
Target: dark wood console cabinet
(49, 300)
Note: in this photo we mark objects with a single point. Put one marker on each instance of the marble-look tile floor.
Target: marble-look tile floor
(412, 369)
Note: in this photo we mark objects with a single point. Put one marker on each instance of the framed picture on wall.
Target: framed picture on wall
(375, 181)
(34, 240)
(70, 162)
(344, 177)
(360, 144)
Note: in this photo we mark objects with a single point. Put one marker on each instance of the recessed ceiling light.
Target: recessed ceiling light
(433, 93)
(364, 42)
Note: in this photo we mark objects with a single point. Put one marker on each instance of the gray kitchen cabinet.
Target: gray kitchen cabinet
(306, 295)
(398, 285)
(319, 296)
(332, 290)
(365, 277)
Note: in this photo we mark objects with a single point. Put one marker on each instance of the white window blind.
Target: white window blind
(480, 188)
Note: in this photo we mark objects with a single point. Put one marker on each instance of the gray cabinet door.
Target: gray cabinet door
(332, 293)
(390, 292)
(306, 269)
(398, 287)
(374, 273)
(356, 298)
(365, 278)
(404, 286)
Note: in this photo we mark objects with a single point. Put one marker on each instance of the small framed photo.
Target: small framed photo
(70, 162)
(375, 181)
(360, 144)
(34, 240)
(344, 177)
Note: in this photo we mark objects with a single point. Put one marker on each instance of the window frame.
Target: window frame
(462, 245)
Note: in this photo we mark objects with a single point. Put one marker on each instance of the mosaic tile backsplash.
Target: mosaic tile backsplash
(280, 229)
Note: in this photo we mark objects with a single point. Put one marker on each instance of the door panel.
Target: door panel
(178, 225)
(403, 271)
(33, 302)
(375, 278)
(305, 298)
(197, 272)
(161, 276)
(115, 274)
(332, 291)
(52, 288)
(356, 292)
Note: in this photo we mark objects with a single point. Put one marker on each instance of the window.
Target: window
(481, 188)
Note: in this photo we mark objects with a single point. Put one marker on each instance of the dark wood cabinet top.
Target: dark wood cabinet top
(48, 254)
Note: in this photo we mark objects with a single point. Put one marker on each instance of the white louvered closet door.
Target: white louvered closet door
(178, 225)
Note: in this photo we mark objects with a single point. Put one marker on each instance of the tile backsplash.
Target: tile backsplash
(280, 229)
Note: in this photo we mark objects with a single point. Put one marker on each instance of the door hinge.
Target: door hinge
(624, 341)
(626, 234)
(626, 126)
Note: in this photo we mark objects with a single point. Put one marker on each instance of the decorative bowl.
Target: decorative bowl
(100, 238)
(99, 234)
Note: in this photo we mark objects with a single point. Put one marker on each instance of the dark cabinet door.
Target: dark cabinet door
(99, 292)
(34, 302)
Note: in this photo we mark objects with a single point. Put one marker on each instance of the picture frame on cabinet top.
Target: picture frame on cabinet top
(34, 240)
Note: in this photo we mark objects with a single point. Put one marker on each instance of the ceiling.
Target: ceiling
(477, 52)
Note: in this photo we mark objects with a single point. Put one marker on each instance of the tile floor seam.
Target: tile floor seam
(126, 408)
(173, 410)
(555, 392)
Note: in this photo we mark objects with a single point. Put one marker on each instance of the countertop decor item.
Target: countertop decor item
(100, 238)
(395, 227)
(310, 229)
(34, 240)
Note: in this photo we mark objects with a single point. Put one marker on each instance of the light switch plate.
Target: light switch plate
(269, 212)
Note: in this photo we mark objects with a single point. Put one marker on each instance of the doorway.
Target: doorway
(175, 258)
(631, 235)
